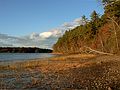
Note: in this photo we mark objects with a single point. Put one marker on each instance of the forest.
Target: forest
(100, 33)
(24, 50)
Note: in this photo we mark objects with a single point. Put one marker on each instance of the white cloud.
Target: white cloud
(68, 25)
(52, 33)
(45, 34)
(78, 22)
(56, 32)
(5, 44)
(34, 35)
(73, 24)
(42, 40)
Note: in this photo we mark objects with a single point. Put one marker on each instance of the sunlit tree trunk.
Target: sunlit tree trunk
(101, 41)
(115, 31)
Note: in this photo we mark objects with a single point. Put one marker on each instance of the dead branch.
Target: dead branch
(115, 31)
(116, 39)
(99, 52)
(114, 22)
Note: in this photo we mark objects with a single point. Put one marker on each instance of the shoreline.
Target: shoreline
(70, 71)
(57, 57)
(25, 57)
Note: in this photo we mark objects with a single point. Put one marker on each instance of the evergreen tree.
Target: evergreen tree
(99, 33)
(94, 16)
(84, 19)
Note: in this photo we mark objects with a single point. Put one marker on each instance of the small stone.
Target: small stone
(109, 88)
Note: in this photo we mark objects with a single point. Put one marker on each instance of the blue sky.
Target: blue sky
(23, 17)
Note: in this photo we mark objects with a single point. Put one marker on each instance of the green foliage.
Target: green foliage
(106, 2)
(94, 16)
(84, 19)
(91, 34)
(113, 9)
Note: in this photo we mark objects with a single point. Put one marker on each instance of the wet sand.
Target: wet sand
(71, 72)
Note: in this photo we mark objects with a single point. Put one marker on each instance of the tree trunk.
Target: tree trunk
(99, 52)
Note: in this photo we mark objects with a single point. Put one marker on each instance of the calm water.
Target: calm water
(23, 56)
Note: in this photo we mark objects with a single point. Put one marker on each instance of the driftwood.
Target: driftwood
(99, 52)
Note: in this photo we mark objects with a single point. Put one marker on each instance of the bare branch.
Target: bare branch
(99, 52)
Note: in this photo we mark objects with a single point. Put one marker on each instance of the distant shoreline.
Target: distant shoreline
(24, 50)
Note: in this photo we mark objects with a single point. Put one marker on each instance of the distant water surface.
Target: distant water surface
(23, 56)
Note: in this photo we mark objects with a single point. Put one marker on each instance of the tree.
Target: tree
(95, 21)
(113, 10)
(94, 16)
(102, 33)
(84, 19)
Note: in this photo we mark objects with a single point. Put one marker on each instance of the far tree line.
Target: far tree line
(24, 50)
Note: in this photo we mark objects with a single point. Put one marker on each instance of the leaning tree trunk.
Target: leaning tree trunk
(115, 31)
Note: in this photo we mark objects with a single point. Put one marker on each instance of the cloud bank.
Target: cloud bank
(42, 40)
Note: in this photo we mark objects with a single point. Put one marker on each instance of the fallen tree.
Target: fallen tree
(99, 52)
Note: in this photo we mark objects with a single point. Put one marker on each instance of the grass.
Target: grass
(36, 63)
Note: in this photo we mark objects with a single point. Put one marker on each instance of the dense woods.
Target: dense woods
(101, 33)
(23, 50)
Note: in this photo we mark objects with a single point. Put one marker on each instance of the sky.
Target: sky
(41, 22)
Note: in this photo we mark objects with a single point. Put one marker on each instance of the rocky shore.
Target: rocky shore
(75, 72)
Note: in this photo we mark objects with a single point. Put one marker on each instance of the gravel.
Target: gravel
(100, 73)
